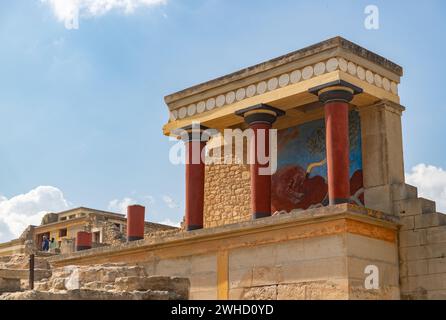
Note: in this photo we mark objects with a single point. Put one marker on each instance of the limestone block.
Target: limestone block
(418, 294)
(240, 278)
(290, 251)
(203, 295)
(430, 220)
(149, 267)
(436, 295)
(253, 256)
(203, 263)
(9, 285)
(416, 206)
(436, 234)
(157, 283)
(314, 270)
(437, 250)
(403, 191)
(414, 268)
(424, 282)
(95, 285)
(412, 238)
(266, 275)
(203, 281)
(260, 293)
(327, 290)
(21, 262)
(379, 198)
(371, 249)
(236, 293)
(291, 291)
(324, 247)
(174, 267)
(407, 223)
(437, 265)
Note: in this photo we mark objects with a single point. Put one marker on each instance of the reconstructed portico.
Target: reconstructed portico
(324, 81)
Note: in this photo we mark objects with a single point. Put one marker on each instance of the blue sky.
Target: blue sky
(82, 110)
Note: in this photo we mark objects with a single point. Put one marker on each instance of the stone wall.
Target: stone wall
(98, 282)
(113, 234)
(422, 239)
(314, 254)
(227, 191)
(331, 267)
(12, 247)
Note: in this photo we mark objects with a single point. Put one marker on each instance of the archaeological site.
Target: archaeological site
(334, 219)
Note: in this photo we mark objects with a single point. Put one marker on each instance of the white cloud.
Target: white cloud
(171, 223)
(170, 202)
(23, 210)
(121, 205)
(69, 11)
(431, 183)
(149, 199)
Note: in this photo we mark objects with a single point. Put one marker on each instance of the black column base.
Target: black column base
(194, 227)
(260, 215)
(82, 248)
(338, 201)
(134, 238)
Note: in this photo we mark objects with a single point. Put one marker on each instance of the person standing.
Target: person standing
(45, 244)
(53, 245)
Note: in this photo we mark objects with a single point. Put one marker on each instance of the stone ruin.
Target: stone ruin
(92, 282)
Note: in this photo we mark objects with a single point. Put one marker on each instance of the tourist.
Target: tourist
(45, 244)
(53, 244)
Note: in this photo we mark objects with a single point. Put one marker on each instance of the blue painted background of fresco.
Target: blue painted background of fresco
(308, 145)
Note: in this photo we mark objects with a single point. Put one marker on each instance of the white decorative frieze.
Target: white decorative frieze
(284, 80)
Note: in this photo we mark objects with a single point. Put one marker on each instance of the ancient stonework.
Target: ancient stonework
(227, 194)
(95, 282)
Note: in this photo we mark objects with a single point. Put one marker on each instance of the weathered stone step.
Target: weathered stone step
(403, 191)
(416, 206)
(424, 236)
(428, 220)
(39, 274)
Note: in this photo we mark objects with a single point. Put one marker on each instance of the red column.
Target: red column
(336, 97)
(83, 240)
(194, 178)
(260, 184)
(337, 148)
(260, 119)
(135, 222)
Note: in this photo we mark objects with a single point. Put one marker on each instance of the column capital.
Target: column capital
(338, 90)
(193, 132)
(260, 113)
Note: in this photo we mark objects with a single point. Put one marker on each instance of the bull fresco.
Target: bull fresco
(300, 181)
